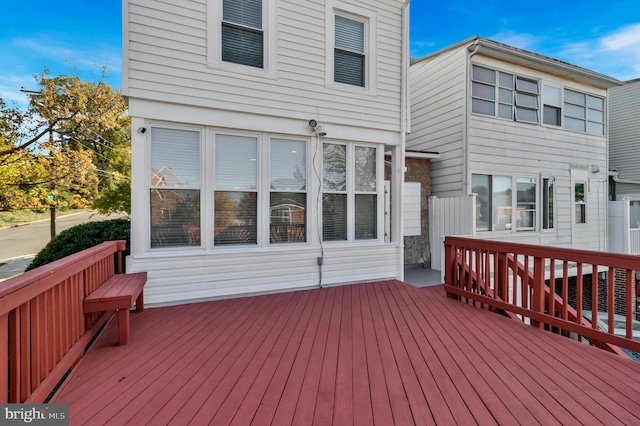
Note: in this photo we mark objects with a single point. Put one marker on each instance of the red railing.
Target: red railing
(42, 319)
(549, 287)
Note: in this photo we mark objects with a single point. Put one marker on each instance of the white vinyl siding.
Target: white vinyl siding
(173, 56)
(412, 209)
(624, 135)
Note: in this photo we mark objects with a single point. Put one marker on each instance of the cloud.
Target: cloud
(523, 41)
(616, 54)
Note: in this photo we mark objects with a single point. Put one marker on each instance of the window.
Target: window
(583, 112)
(288, 185)
(496, 200)
(580, 203)
(349, 57)
(350, 192)
(548, 203)
(334, 197)
(504, 95)
(552, 110)
(366, 193)
(175, 188)
(236, 196)
(242, 32)
(526, 203)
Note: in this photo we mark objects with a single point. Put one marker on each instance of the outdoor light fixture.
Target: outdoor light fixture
(317, 128)
(142, 130)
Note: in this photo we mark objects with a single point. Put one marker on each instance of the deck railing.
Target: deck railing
(549, 287)
(42, 319)
(634, 240)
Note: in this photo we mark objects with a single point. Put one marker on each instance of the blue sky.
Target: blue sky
(80, 36)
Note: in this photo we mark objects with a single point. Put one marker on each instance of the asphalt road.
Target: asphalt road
(29, 239)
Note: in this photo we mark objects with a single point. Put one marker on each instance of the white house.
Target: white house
(525, 133)
(273, 119)
(624, 167)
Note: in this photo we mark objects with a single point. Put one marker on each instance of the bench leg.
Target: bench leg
(123, 326)
(140, 302)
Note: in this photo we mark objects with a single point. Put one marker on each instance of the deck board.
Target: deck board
(377, 353)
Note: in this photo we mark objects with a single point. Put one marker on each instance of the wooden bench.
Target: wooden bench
(118, 293)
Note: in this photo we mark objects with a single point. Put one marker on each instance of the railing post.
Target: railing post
(449, 265)
(537, 302)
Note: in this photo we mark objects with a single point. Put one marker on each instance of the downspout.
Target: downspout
(466, 186)
(404, 128)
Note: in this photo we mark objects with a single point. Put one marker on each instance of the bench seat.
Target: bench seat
(118, 293)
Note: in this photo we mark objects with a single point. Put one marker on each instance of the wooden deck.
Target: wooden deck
(379, 353)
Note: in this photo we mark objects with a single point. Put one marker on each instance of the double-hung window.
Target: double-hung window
(349, 192)
(236, 190)
(349, 51)
(288, 191)
(242, 32)
(175, 187)
(504, 95)
(496, 201)
(552, 105)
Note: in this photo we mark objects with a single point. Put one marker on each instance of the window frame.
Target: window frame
(269, 41)
(515, 205)
(150, 187)
(516, 90)
(351, 193)
(369, 18)
(548, 204)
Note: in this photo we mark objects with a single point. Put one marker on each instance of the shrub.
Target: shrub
(82, 237)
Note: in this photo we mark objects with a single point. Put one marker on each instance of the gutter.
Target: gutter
(614, 176)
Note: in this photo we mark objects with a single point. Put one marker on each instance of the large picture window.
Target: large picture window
(242, 32)
(288, 196)
(175, 188)
(236, 190)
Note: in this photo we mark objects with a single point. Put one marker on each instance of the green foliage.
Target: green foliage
(115, 199)
(81, 237)
(70, 143)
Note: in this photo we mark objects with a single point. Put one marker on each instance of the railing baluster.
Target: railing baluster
(4, 359)
(629, 293)
(611, 290)
(579, 294)
(552, 287)
(15, 356)
(25, 351)
(594, 296)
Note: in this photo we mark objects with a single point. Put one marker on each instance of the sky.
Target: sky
(80, 37)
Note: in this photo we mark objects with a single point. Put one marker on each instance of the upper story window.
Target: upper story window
(504, 95)
(242, 33)
(351, 48)
(583, 112)
(349, 55)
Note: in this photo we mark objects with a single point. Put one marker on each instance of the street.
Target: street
(29, 239)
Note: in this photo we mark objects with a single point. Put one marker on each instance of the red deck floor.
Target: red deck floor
(379, 353)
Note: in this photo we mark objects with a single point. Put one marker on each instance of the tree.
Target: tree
(51, 154)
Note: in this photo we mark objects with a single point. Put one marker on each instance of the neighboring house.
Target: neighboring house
(274, 119)
(525, 133)
(624, 167)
